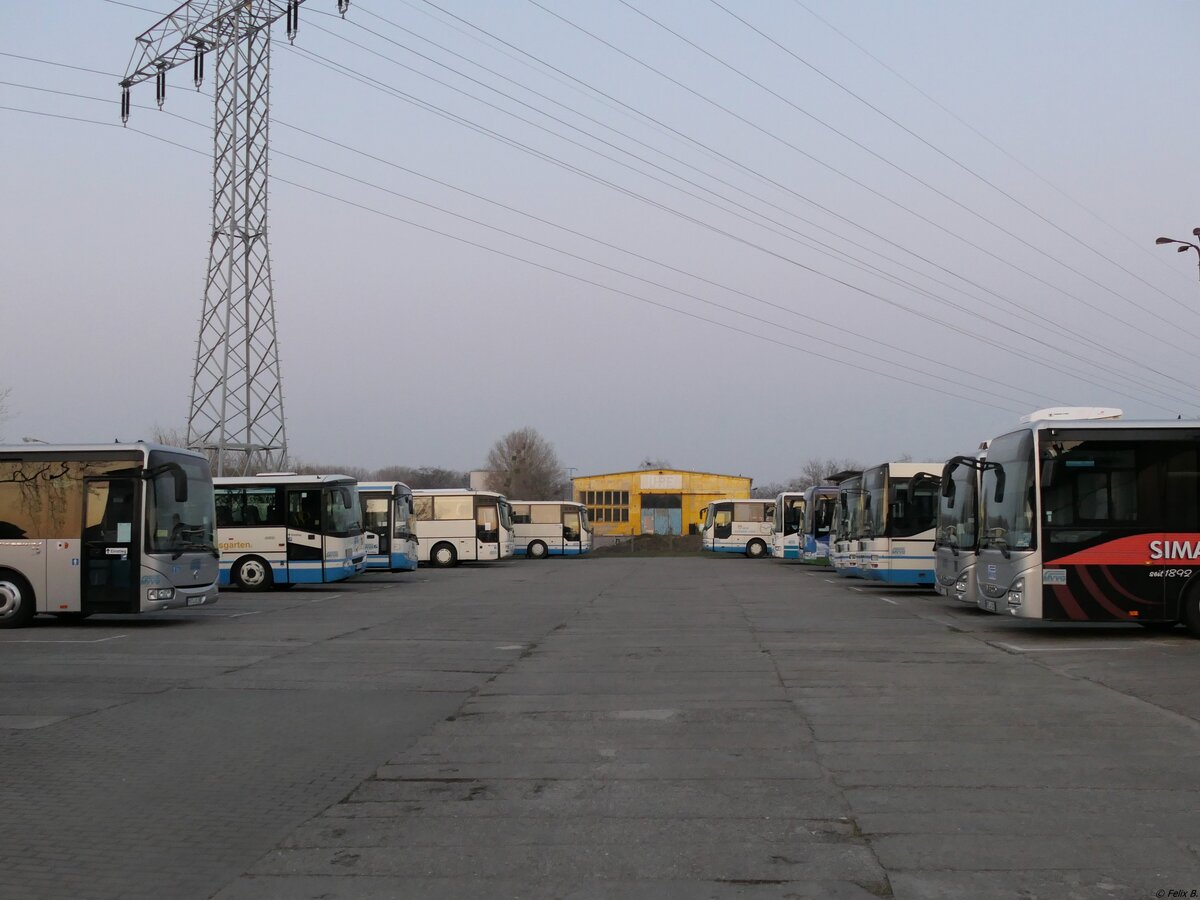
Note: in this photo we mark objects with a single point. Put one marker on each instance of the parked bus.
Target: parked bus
(820, 503)
(111, 528)
(957, 534)
(1093, 521)
(845, 528)
(900, 517)
(789, 517)
(279, 529)
(459, 525)
(388, 529)
(544, 528)
(738, 526)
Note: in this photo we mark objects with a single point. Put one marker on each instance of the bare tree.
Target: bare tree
(651, 462)
(424, 476)
(816, 471)
(524, 466)
(172, 437)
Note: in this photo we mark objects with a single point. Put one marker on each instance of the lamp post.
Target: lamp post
(1184, 246)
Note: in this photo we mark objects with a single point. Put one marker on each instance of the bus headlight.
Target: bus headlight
(960, 585)
(160, 594)
(1016, 592)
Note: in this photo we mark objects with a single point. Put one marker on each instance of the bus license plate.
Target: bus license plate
(989, 605)
(195, 601)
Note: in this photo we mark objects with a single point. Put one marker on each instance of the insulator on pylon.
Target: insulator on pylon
(293, 20)
(124, 102)
(160, 87)
(198, 65)
(343, 5)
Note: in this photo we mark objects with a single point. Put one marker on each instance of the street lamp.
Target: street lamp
(1184, 246)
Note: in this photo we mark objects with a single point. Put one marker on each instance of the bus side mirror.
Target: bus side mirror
(179, 479)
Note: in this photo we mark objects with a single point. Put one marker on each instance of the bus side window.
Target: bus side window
(304, 510)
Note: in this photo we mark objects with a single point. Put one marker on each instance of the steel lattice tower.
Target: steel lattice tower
(236, 411)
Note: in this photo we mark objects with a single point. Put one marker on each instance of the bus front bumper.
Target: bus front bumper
(174, 598)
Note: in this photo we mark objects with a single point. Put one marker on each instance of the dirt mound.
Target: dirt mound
(653, 545)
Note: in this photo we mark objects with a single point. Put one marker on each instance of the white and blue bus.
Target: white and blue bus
(388, 529)
(107, 528)
(900, 516)
(544, 528)
(820, 502)
(738, 526)
(279, 529)
(786, 540)
(457, 525)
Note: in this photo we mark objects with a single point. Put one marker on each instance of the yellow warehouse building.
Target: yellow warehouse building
(654, 501)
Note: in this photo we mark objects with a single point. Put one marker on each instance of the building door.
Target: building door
(662, 514)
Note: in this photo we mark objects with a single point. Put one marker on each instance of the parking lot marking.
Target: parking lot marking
(253, 612)
(327, 597)
(888, 600)
(115, 637)
(1013, 648)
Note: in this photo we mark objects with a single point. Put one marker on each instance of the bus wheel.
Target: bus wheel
(252, 574)
(17, 605)
(1191, 611)
(443, 556)
(537, 550)
(756, 549)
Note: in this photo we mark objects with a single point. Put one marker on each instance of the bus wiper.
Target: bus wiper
(952, 542)
(195, 545)
(997, 536)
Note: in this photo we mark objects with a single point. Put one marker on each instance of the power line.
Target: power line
(950, 158)
(59, 65)
(1071, 332)
(807, 350)
(947, 231)
(996, 146)
(617, 271)
(348, 72)
(907, 284)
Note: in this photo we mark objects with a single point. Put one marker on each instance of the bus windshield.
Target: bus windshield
(912, 505)
(403, 527)
(852, 498)
(342, 513)
(874, 485)
(172, 526)
(958, 515)
(819, 517)
(1009, 520)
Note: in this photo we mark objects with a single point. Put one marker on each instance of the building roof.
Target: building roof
(659, 472)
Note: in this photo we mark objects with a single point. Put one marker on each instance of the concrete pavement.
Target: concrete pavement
(641, 728)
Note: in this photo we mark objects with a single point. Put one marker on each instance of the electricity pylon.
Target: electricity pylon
(236, 412)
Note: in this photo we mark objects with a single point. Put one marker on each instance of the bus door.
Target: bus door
(378, 526)
(487, 523)
(572, 531)
(111, 559)
(305, 543)
(722, 521)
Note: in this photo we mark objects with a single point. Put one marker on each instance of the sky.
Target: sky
(731, 234)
